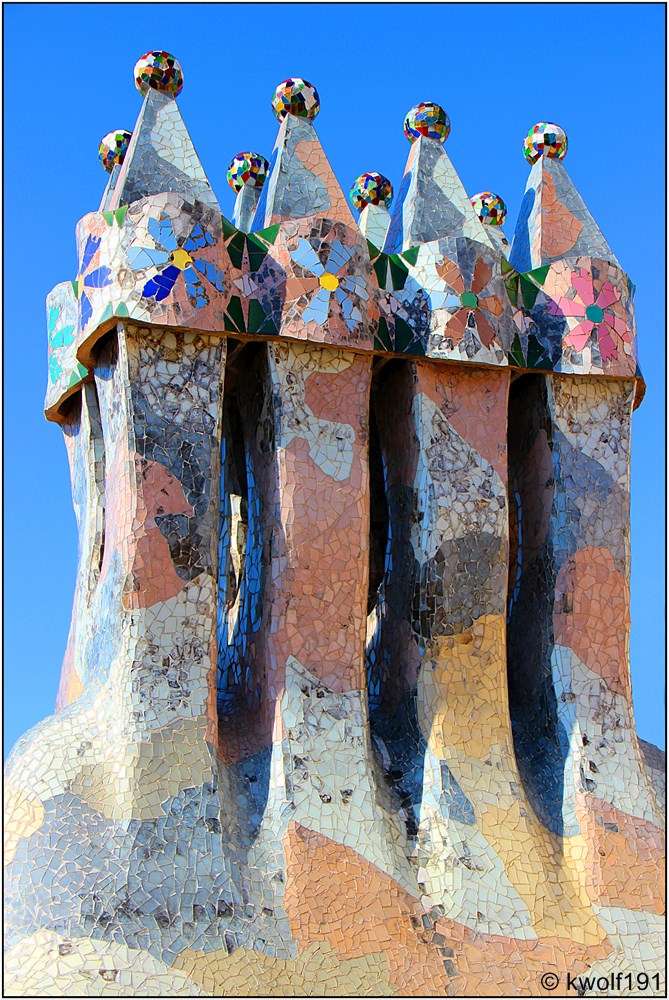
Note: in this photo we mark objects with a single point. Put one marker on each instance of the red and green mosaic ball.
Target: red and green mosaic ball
(371, 189)
(545, 139)
(429, 120)
(247, 170)
(159, 71)
(113, 149)
(490, 208)
(296, 97)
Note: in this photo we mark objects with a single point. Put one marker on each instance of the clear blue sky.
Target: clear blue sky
(595, 69)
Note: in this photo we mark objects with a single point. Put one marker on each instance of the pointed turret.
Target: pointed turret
(554, 221)
(247, 174)
(301, 181)
(161, 156)
(372, 194)
(112, 152)
(432, 202)
(491, 212)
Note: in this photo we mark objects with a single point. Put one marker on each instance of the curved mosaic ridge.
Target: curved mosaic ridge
(345, 708)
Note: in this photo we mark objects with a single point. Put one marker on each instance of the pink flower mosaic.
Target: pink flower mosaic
(592, 303)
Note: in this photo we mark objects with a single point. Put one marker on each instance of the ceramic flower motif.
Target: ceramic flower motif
(592, 304)
(98, 277)
(470, 307)
(329, 280)
(172, 258)
(59, 336)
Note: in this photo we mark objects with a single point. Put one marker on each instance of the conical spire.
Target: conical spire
(161, 156)
(247, 174)
(111, 187)
(301, 181)
(432, 202)
(554, 221)
(112, 151)
(372, 194)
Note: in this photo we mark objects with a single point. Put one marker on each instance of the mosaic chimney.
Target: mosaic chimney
(345, 708)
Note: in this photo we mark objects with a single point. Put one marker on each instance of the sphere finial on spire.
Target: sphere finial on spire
(113, 148)
(427, 119)
(296, 97)
(490, 208)
(545, 139)
(371, 188)
(247, 170)
(159, 71)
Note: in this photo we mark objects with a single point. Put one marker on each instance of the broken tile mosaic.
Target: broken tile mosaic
(296, 97)
(371, 189)
(113, 148)
(345, 707)
(159, 71)
(489, 207)
(427, 119)
(545, 139)
(247, 169)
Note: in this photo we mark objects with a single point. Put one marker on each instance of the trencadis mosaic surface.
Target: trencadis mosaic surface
(345, 708)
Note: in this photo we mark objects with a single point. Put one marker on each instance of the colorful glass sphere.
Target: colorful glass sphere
(159, 71)
(371, 189)
(490, 208)
(545, 139)
(247, 170)
(296, 97)
(429, 120)
(113, 148)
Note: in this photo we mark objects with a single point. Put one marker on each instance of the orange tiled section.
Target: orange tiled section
(474, 403)
(626, 862)
(592, 615)
(324, 516)
(334, 894)
(312, 155)
(152, 568)
(560, 229)
(491, 965)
